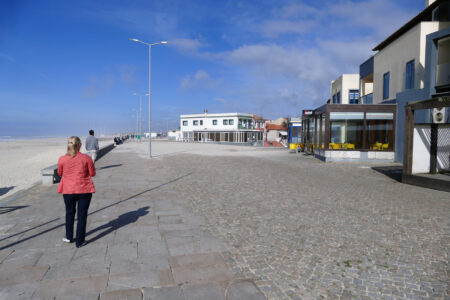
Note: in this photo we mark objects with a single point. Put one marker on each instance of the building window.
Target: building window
(409, 77)
(231, 122)
(334, 99)
(185, 123)
(353, 96)
(225, 122)
(214, 122)
(346, 130)
(201, 122)
(380, 131)
(338, 97)
(195, 122)
(386, 85)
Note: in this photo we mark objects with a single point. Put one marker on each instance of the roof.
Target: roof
(424, 15)
(275, 127)
(258, 117)
(218, 115)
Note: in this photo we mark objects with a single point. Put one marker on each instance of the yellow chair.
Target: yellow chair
(350, 146)
(385, 147)
(336, 146)
(330, 145)
(323, 146)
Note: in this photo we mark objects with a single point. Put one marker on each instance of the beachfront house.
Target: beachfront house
(220, 128)
(412, 64)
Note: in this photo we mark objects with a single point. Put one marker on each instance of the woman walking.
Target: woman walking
(77, 187)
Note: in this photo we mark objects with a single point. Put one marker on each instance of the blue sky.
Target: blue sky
(68, 66)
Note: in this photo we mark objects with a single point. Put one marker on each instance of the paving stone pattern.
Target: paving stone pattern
(304, 229)
(276, 226)
(144, 242)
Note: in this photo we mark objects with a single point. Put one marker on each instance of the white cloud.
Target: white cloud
(188, 46)
(221, 100)
(274, 60)
(274, 28)
(127, 74)
(98, 86)
(381, 17)
(200, 80)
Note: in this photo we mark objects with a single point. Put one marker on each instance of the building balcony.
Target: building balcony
(246, 127)
(367, 99)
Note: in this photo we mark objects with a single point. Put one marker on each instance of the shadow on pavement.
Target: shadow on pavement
(96, 211)
(394, 172)
(123, 220)
(110, 166)
(4, 190)
(7, 209)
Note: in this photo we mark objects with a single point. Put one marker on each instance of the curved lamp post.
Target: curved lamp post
(149, 89)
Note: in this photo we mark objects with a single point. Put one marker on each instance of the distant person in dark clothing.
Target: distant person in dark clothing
(92, 145)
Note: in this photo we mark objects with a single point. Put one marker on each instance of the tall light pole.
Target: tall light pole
(140, 114)
(149, 89)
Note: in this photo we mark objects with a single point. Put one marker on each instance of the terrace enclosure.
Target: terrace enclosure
(345, 132)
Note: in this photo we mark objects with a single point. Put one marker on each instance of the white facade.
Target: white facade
(216, 122)
(174, 135)
(341, 87)
(393, 59)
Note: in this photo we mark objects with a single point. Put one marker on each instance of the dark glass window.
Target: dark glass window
(338, 97)
(353, 96)
(214, 122)
(386, 85)
(225, 122)
(195, 122)
(346, 130)
(185, 123)
(409, 76)
(380, 132)
(201, 122)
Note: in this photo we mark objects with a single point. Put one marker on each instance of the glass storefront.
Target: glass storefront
(361, 127)
(380, 131)
(346, 130)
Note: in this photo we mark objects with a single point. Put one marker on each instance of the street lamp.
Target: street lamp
(149, 89)
(140, 114)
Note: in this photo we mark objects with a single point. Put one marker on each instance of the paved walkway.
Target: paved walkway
(144, 242)
(232, 227)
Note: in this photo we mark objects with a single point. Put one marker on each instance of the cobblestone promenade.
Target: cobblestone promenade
(239, 226)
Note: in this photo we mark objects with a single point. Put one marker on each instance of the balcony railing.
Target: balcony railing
(367, 99)
(247, 127)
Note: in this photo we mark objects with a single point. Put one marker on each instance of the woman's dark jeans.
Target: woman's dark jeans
(83, 205)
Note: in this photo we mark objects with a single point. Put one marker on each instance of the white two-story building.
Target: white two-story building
(220, 128)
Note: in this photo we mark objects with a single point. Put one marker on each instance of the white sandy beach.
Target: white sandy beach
(22, 160)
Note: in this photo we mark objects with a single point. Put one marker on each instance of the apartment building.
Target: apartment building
(345, 89)
(411, 64)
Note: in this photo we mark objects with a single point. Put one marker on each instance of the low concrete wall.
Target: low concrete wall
(352, 155)
(50, 175)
